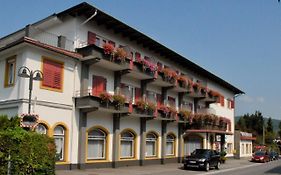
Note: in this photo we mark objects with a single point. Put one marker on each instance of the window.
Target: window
(151, 96)
(127, 145)
(151, 145)
(96, 144)
(10, 71)
(98, 85)
(41, 129)
(229, 148)
(170, 145)
(53, 74)
(128, 91)
(171, 101)
(59, 136)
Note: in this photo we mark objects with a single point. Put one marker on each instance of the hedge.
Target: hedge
(30, 152)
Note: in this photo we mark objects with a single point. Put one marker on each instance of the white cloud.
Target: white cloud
(246, 99)
(260, 99)
(249, 99)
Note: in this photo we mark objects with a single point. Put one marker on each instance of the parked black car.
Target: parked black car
(202, 158)
(273, 155)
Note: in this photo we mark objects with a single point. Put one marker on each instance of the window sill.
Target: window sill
(125, 159)
(151, 157)
(51, 89)
(97, 161)
(62, 162)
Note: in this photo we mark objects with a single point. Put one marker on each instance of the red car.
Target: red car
(260, 156)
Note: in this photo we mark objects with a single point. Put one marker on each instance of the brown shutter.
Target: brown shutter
(91, 38)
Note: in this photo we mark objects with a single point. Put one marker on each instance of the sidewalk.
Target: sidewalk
(171, 168)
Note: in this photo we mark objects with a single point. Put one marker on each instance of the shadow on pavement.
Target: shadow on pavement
(276, 170)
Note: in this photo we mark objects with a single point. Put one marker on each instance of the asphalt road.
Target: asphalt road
(271, 168)
(232, 167)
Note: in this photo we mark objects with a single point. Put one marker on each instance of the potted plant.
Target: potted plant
(169, 75)
(149, 66)
(151, 107)
(119, 101)
(165, 110)
(108, 49)
(120, 55)
(222, 156)
(182, 81)
(106, 98)
(141, 106)
(196, 87)
(185, 115)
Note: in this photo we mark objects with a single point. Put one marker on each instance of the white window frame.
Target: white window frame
(170, 140)
(61, 136)
(102, 138)
(128, 139)
(152, 140)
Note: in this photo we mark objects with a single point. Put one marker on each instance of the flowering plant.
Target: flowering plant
(119, 100)
(108, 49)
(105, 97)
(165, 109)
(151, 106)
(196, 87)
(149, 65)
(185, 114)
(120, 54)
(183, 80)
(141, 104)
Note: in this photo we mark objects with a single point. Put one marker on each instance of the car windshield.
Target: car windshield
(259, 153)
(200, 152)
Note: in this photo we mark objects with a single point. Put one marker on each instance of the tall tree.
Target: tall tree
(269, 126)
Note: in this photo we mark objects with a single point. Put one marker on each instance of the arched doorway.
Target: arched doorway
(192, 142)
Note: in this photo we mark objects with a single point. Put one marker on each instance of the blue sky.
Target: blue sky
(238, 40)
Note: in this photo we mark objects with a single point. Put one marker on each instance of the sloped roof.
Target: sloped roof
(102, 18)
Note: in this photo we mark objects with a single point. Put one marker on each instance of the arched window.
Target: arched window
(41, 129)
(151, 145)
(59, 136)
(170, 145)
(96, 144)
(127, 145)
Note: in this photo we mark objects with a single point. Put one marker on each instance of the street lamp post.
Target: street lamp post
(36, 75)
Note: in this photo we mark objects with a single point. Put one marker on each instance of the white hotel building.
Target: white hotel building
(172, 106)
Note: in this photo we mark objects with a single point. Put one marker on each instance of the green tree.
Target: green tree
(269, 127)
(279, 132)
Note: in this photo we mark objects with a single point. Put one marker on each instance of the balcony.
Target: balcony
(209, 122)
(142, 71)
(95, 55)
(91, 103)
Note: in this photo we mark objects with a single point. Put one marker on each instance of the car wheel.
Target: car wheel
(218, 165)
(207, 166)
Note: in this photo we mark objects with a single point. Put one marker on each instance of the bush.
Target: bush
(30, 152)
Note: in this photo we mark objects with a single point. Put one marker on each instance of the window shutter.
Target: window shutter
(137, 94)
(159, 100)
(52, 74)
(91, 38)
(222, 100)
(99, 85)
(232, 104)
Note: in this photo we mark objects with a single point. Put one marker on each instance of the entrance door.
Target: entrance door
(191, 143)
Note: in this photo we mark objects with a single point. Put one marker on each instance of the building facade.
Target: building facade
(112, 96)
(243, 144)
